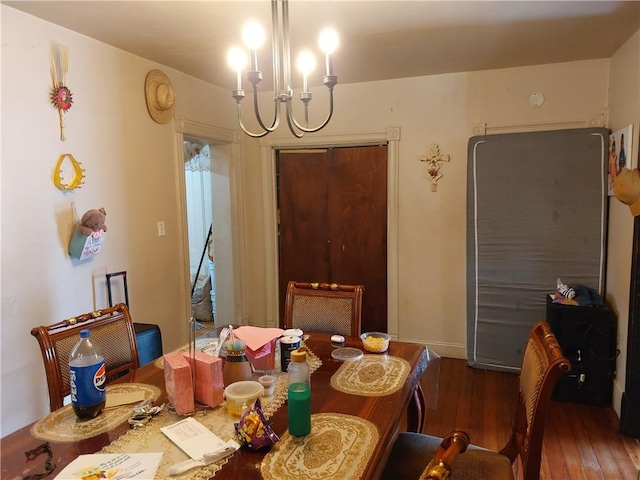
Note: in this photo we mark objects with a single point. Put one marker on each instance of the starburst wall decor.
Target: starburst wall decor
(61, 97)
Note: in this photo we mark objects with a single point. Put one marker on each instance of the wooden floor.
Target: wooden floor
(580, 442)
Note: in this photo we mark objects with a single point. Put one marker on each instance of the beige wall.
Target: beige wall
(440, 109)
(624, 109)
(130, 170)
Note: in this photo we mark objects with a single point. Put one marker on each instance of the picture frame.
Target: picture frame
(620, 154)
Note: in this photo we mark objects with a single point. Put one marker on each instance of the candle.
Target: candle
(237, 59)
(328, 43)
(329, 62)
(254, 60)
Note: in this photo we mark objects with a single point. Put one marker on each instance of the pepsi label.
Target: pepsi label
(100, 378)
(87, 384)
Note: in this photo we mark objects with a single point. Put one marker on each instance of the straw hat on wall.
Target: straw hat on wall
(160, 97)
(626, 188)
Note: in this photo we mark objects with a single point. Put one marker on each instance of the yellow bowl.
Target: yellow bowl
(375, 342)
(241, 395)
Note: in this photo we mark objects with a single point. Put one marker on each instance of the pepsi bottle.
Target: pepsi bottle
(87, 378)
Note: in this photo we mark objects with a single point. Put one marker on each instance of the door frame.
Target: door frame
(268, 149)
(225, 149)
(629, 408)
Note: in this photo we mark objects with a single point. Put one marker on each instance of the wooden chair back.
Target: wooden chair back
(111, 329)
(542, 365)
(324, 307)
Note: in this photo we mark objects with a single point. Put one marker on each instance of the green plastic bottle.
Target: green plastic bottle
(299, 394)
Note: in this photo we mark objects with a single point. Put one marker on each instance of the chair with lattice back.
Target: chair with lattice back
(542, 365)
(111, 329)
(324, 307)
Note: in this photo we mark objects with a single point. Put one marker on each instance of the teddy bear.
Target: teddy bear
(93, 221)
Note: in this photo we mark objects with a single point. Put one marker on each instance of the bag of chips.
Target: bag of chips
(253, 430)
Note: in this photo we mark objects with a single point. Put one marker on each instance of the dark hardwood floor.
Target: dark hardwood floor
(580, 442)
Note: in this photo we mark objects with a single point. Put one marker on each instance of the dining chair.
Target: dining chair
(542, 364)
(324, 307)
(452, 445)
(111, 329)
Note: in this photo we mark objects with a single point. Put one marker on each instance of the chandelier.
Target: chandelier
(253, 36)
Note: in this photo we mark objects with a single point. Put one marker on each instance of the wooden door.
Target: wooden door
(333, 222)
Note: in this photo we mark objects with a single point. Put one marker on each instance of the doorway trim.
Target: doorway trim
(629, 407)
(269, 148)
(225, 146)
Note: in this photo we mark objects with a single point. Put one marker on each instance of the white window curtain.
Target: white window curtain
(197, 157)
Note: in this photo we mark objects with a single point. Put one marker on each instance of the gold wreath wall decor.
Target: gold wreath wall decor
(434, 161)
(78, 173)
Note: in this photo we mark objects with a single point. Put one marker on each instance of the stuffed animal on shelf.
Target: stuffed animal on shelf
(92, 222)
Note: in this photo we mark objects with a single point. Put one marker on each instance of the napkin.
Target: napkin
(124, 398)
(258, 339)
(260, 345)
(178, 382)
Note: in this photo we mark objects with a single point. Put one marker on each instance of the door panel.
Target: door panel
(333, 223)
(303, 236)
(358, 222)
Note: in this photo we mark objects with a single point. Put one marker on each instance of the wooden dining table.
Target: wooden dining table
(388, 413)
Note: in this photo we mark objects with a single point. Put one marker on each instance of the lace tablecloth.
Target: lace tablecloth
(149, 438)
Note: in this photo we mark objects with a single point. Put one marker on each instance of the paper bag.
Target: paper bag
(82, 246)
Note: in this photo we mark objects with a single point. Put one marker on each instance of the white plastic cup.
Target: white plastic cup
(268, 382)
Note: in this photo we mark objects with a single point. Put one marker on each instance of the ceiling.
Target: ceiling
(378, 39)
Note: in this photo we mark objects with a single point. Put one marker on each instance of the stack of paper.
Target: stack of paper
(119, 466)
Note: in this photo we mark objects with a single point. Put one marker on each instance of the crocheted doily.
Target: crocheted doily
(372, 376)
(63, 425)
(339, 446)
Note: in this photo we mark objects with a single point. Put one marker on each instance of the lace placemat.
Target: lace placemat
(339, 446)
(149, 438)
(63, 425)
(372, 376)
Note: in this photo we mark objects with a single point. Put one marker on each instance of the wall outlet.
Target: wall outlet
(161, 230)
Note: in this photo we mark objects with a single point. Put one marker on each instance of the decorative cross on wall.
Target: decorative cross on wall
(434, 160)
